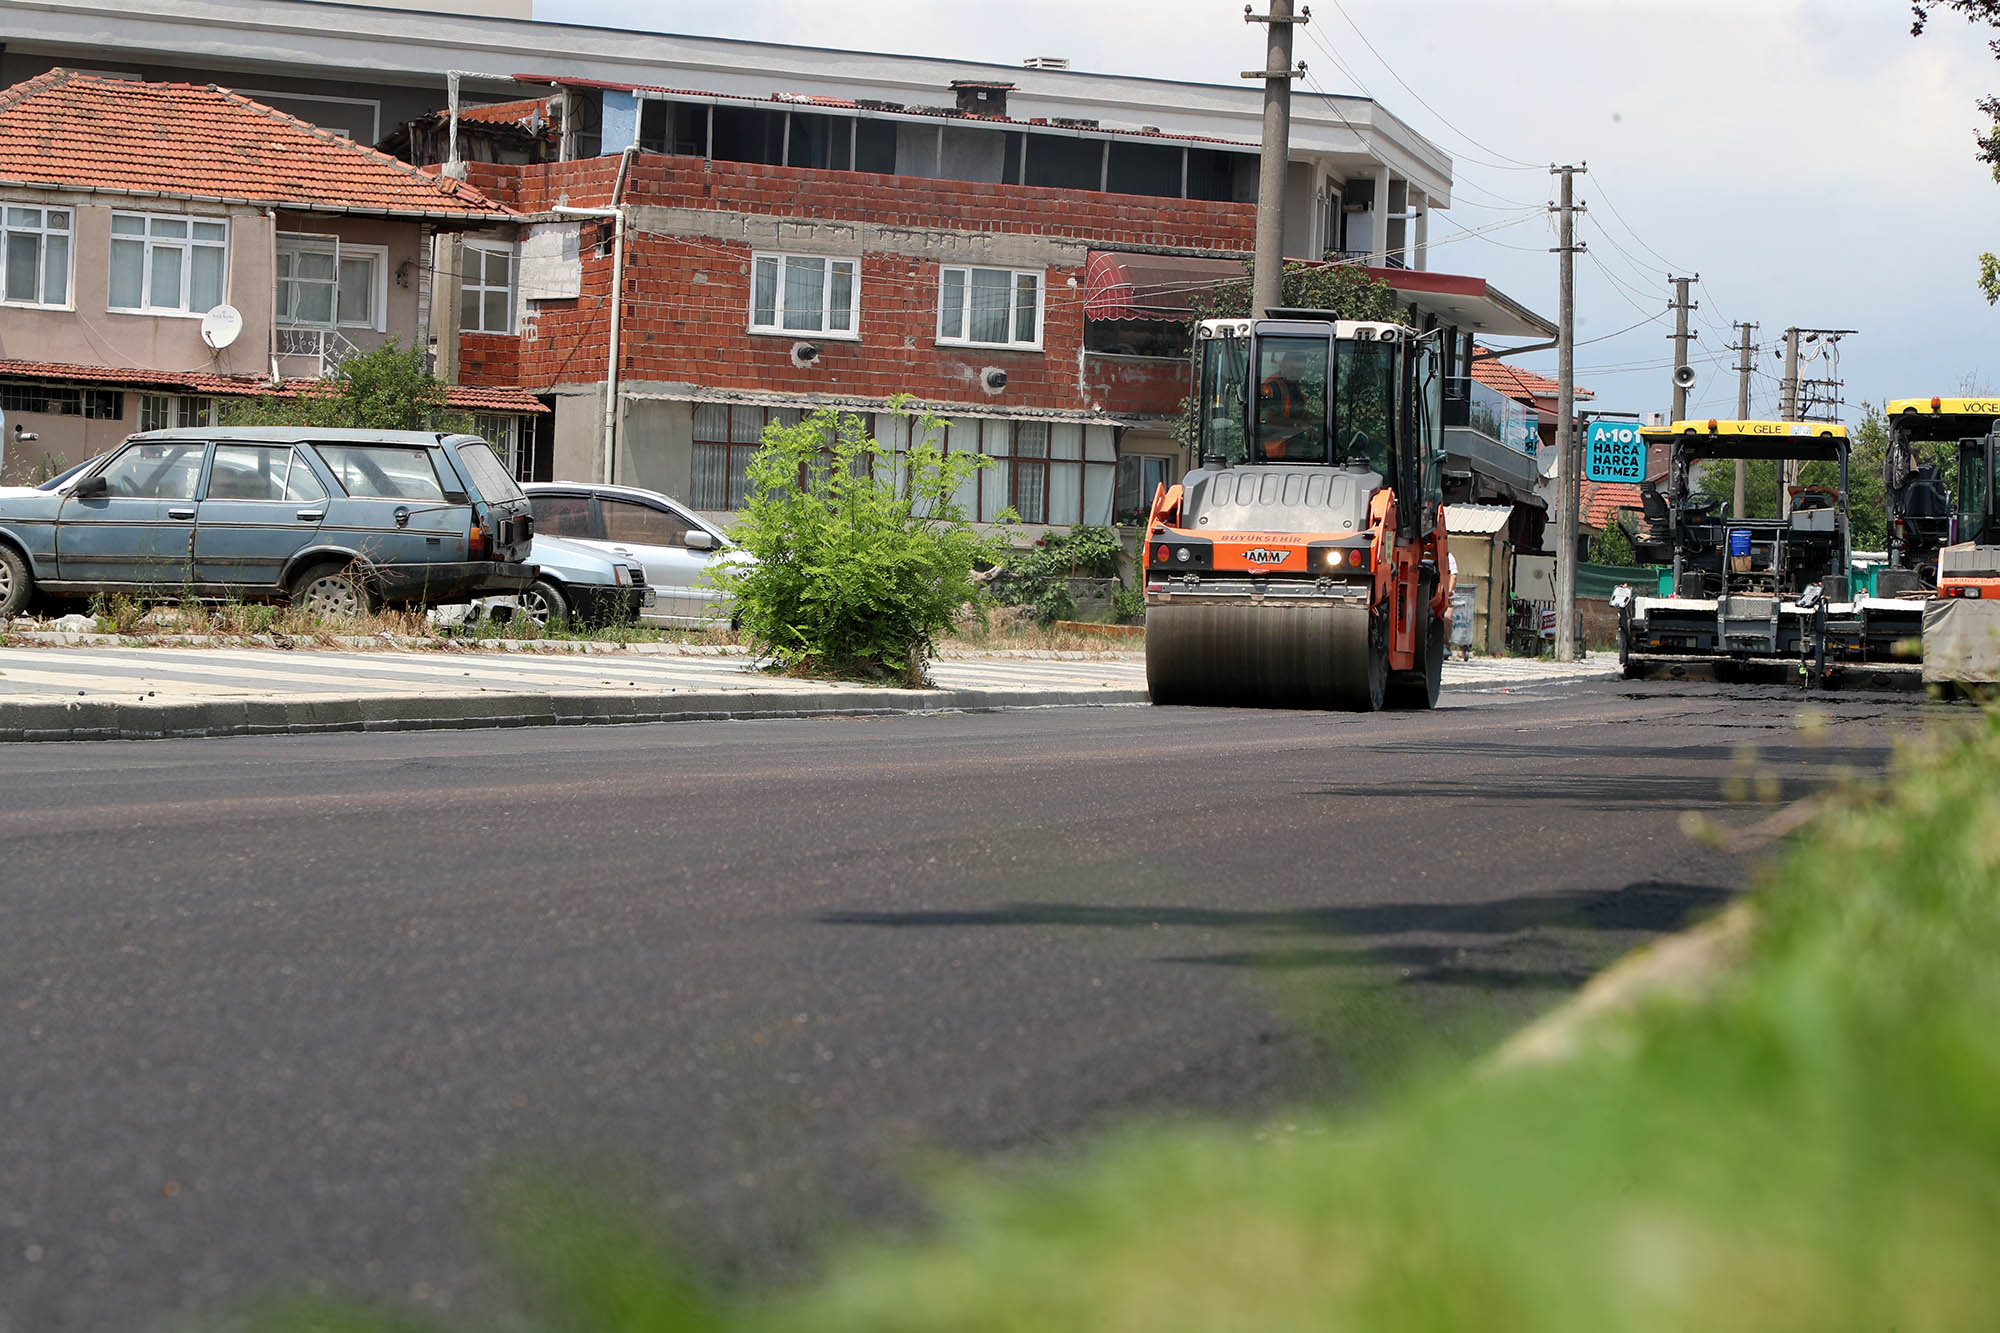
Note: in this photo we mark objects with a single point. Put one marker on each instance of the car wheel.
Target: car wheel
(332, 592)
(17, 585)
(545, 604)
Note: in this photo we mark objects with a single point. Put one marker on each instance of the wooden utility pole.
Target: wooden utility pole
(1267, 283)
(1682, 373)
(1746, 343)
(1568, 456)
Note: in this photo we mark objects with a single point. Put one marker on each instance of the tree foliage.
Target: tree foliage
(1976, 12)
(1345, 288)
(864, 555)
(1613, 544)
(389, 388)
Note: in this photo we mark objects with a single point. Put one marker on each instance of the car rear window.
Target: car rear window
(561, 515)
(489, 476)
(384, 471)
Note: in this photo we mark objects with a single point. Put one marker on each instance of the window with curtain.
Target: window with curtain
(805, 294)
(35, 263)
(167, 263)
(990, 307)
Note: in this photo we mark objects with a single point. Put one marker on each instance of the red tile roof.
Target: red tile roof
(526, 112)
(467, 397)
(1515, 382)
(76, 131)
(1603, 499)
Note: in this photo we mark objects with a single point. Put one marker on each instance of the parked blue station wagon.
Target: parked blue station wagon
(337, 521)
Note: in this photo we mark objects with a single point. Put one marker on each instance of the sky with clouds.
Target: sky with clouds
(1809, 159)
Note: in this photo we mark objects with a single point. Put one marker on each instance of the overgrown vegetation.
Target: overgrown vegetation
(1038, 577)
(1812, 1143)
(864, 556)
(1613, 544)
(1976, 12)
(387, 388)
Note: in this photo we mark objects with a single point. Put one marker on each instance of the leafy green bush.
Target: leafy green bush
(1128, 604)
(1038, 577)
(1612, 545)
(864, 556)
(388, 388)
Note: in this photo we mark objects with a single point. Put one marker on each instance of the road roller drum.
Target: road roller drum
(1264, 656)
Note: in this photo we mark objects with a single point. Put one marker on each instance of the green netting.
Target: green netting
(1599, 580)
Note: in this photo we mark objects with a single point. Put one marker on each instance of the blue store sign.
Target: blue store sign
(1614, 451)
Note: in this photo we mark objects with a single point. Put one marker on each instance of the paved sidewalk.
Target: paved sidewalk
(102, 690)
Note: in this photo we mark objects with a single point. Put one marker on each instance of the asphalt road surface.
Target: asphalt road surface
(277, 1010)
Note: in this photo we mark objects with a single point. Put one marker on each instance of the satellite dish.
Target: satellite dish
(221, 326)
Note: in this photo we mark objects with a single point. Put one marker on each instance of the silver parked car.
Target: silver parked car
(575, 585)
(677, 547)
(336, 520)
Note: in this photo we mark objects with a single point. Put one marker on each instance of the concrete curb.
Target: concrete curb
(294, 715)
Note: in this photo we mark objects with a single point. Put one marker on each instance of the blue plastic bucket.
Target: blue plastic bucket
(1739, 542)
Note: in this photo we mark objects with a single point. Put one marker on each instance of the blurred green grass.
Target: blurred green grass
(1814, 1145)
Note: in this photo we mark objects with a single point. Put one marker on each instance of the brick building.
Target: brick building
(753, 259)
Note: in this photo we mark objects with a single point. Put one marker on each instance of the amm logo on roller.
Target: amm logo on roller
(1264, 555)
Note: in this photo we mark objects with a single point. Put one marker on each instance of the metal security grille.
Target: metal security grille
(62, 400)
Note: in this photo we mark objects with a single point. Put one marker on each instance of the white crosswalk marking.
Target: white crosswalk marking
(29, 674)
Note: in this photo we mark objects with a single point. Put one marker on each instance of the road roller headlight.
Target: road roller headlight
(1183, 555)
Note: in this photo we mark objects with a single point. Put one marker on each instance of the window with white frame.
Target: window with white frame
(323, 283)
(36, 263)
(165, 411)
(990, 307)
(805, 294)
(167, 263)
(486, 288)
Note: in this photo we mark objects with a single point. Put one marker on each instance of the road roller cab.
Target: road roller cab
(1302, 562)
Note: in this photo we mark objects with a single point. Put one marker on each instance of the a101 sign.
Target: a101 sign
(1614, 451)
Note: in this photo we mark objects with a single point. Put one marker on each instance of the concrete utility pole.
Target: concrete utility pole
(1567, 455)
(1682, 379)
(1788, 410)
(1746, 336)
(1267, 283)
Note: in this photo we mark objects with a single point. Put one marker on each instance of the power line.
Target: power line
(1517, 163)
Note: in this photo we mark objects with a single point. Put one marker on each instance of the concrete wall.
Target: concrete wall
(63, 441)
(656, 444)
(579, 431)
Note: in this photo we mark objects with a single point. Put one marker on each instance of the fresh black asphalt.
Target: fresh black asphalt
(277, 1010)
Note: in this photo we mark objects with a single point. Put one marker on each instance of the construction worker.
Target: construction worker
(1281, 407)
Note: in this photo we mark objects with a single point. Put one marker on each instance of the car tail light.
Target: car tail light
(475, 543)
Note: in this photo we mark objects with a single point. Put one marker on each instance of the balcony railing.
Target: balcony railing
(325, 348)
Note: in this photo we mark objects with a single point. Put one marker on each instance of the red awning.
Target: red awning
(1119, 285)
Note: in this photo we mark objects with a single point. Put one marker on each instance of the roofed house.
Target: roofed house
(164, 245)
